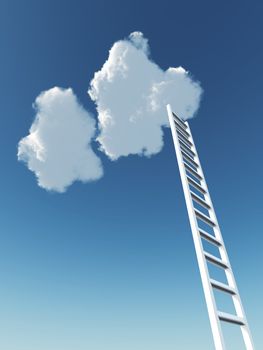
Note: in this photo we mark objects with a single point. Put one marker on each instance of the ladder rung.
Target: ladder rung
(196, 185)
(180, 121)
(204, 218)
(222, 286)
(189, 147)
(183, 138)
(223, 316)
(209, 237)
(186, 148)
(183, 131)
(199, 200)
(213, 259)
(190, 165)
(193, 172)
(189, 159)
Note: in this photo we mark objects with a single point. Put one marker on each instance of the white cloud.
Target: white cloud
(58, 148)
(131, 93)
(141, 43)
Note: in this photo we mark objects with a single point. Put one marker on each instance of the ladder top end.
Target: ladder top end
(169, 110)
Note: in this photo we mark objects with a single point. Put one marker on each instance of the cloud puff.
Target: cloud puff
(131, 93)
(141, 43)
(58, 148)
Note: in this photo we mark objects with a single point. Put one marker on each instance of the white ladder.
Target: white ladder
(196, 194)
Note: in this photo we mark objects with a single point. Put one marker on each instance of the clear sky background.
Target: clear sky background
(111, 264)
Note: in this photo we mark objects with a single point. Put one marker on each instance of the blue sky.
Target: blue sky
(111, 264)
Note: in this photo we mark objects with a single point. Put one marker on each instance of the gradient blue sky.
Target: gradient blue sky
(111, 264)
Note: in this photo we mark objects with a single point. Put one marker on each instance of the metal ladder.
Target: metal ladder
(197, 195)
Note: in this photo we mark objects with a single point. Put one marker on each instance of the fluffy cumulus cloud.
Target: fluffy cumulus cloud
(131, 93)
(58, 147)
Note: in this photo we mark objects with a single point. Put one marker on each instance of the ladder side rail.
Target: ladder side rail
(223, 252)
(207, 287)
